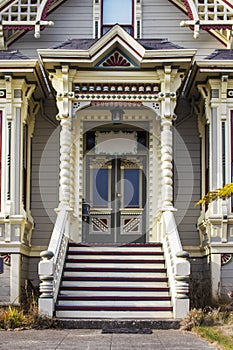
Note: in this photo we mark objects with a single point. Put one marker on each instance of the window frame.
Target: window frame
(126, 25)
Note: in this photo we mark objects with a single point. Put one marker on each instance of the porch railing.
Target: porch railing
(178, 266)
(51, 264)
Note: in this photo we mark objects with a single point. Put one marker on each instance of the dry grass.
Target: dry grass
(212, 324)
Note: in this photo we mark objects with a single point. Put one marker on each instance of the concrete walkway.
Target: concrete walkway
(85, 339)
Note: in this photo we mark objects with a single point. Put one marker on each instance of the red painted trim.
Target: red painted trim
(190, 13)
(6, 5)
(227, 3)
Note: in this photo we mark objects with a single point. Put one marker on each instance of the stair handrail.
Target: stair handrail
(178, 266)
(52, 262)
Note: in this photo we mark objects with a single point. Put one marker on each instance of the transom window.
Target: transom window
(117, 12)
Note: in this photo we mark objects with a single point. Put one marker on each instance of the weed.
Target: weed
(207, 317)
(12, 318)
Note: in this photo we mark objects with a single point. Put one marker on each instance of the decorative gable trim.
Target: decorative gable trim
(214, 16)
(117, 39)
(23, 15)
(116, 59)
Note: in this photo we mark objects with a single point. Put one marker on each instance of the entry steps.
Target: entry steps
(118, 282)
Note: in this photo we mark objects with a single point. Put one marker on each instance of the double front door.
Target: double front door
(116, 191)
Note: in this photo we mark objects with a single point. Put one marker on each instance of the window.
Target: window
(117, 12)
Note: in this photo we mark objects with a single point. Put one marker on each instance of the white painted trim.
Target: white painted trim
(15, 278)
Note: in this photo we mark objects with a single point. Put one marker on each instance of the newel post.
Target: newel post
(182, 272)
(46, 275)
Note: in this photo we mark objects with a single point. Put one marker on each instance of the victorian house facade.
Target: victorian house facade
(116, 117)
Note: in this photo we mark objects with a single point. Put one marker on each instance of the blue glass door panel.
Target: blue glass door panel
(131, 188)
(100, 188)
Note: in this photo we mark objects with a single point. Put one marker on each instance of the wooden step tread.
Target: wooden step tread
(133, 245)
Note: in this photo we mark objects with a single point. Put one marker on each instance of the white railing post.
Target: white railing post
(51, 265)
(178, 266)
(46, 271)
(182, 271)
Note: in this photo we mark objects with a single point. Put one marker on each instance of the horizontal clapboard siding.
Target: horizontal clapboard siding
(45, 178)
(74, 19)
(226, 280)
(161, 19)
(187, 179)
(5, 285)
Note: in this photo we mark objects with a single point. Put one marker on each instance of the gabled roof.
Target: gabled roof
(115, 43)
(148, 44)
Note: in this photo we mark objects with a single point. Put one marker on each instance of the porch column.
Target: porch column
(65, 159)
(62, 83)
(168, 99)
(166, 160)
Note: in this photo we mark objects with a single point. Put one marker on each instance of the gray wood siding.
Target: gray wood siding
(33, 271)
(161, 19)
(226, 280)
(45, 178)
(74, 19)
(187, 179)
(200, 282)
(5, 285)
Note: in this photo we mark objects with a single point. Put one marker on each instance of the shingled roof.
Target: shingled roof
(148, 44)
(224, 54)
(12, 55)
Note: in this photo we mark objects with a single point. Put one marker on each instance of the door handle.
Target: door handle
(118, 195)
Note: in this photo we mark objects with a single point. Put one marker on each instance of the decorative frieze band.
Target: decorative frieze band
(117, 88)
